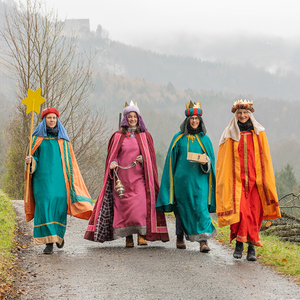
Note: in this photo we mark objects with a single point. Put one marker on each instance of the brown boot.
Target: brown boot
(129, 241)
(203, 246)
(142, 241)
(180, 244)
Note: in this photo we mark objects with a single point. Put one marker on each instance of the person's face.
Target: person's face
(194, 122)
(51, 120)
(243, 115)
(132, 119)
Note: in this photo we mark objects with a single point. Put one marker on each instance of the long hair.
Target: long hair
(124, 129)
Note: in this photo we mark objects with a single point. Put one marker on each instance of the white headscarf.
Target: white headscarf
(233, 130)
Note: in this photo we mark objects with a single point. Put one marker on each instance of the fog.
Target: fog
(273, 54)
(265, 34)
(239, 39)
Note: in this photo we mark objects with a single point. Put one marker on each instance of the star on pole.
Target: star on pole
(33, 101)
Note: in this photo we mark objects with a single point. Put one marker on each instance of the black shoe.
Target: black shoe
(60, 245)
(48, 249)
(251, 253)
(238, 252)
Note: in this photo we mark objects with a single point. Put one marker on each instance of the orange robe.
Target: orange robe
(243, 178)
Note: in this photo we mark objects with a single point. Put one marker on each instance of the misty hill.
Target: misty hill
(189, 72)
(162, 108)
(272, 53)
(162, 84)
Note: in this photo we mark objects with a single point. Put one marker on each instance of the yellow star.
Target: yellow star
(33, 101)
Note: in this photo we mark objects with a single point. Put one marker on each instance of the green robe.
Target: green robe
(50, 193)
(188, 188)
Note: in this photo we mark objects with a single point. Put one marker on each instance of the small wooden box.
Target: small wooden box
(196, 157)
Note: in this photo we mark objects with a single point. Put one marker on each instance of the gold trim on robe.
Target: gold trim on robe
(229, 184)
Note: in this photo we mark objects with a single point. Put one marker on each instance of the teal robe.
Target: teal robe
(188, 188)
(50, 193)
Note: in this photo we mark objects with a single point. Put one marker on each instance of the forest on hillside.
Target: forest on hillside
(186, 72)
(162, 84)
(162, 108)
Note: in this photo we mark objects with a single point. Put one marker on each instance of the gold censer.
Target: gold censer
(119, 188)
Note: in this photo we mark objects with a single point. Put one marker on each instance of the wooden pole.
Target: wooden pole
(120, 118)
(29, 153)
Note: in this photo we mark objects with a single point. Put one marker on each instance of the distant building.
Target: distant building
(79, 27)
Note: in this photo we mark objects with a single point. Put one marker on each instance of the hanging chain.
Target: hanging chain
(133, 164)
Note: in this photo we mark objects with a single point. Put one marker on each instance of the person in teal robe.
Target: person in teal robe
(56, 187)
(188, 186)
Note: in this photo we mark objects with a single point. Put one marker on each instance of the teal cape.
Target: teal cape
(55, 189)
(50, 192)
(188, 188)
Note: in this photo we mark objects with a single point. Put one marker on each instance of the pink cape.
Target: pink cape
(102, 217)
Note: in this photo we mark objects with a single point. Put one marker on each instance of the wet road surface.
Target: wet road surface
(89, 270)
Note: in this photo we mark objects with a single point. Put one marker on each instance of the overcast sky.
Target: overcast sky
(126, 20)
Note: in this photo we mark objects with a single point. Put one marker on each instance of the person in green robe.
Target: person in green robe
(56, 187)
(188, 181)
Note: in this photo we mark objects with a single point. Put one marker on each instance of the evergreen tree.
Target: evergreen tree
(286, 181)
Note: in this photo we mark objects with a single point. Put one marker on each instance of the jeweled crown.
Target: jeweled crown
(193, 109)
(242, 104)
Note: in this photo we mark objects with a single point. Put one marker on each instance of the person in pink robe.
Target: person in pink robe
(131, 159)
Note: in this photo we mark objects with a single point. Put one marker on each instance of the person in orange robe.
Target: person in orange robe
(245, 189)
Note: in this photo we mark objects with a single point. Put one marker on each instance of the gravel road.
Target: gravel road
(89, 270)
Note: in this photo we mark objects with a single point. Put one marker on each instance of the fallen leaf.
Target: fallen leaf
(268, 224)
(20, 292)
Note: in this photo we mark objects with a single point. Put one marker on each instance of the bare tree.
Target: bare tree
(39, 55)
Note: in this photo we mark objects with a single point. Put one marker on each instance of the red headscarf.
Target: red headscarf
(49, 111)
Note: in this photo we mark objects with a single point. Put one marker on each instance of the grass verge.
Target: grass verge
(8, 225)
(285, 256)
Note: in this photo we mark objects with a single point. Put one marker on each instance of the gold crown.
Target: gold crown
(131, 104)
(243, 104)
(193, 105)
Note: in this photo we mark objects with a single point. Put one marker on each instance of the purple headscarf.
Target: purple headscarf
(141, 123)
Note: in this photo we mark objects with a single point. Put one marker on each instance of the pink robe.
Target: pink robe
(130, 212)
(101, 224)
